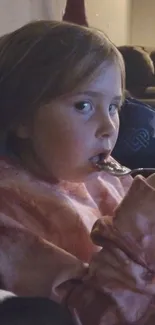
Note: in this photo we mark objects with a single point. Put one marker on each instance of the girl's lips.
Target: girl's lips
(99, 159)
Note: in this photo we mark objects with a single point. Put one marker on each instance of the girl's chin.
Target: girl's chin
(92, 175)
(80, 175)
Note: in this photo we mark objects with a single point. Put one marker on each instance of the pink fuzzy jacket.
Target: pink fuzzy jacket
(46, 248)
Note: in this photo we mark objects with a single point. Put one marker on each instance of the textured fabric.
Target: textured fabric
(46, 249)
(136, 141)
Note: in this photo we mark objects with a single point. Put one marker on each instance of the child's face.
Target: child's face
(69, 131)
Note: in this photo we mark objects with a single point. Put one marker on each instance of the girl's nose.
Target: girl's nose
(106, 127)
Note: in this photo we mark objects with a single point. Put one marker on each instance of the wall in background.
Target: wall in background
(15, 13)
(143, 22)
(111, 16)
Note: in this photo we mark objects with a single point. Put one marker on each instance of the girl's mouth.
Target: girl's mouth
(99, 159)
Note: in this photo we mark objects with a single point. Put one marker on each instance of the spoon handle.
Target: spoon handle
(143, 171)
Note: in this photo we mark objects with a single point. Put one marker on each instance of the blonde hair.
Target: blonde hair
(47, 59)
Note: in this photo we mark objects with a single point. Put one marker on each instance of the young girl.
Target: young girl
(61, 88)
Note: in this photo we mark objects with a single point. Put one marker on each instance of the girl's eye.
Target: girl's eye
(84, 107)
(113, 109)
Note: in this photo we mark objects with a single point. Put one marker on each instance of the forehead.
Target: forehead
(107, 80)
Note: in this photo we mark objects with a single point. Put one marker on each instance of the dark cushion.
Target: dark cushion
(135, 146)
(33, 311)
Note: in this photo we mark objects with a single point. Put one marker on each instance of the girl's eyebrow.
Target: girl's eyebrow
(96, 94)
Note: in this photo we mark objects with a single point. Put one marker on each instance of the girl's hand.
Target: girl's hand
(125, 267)
(151, 180)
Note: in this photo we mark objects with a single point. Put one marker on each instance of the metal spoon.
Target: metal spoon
(116, 169)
